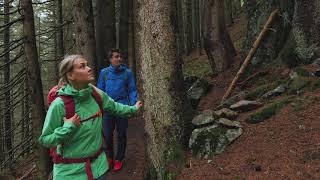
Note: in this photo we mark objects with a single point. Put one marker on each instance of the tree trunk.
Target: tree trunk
(228, 11)
(35, 86)
(59, 35)
(131, 47)
(84, 31)
(181, 37)
(218, 43)
(156, 51)
(7, 114)
(189, 26)
(105, 30)
(196, 25)
(124, 29)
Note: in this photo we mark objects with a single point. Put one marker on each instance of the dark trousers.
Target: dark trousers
(111, 123)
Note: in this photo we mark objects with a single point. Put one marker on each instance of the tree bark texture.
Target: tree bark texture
(228, 11)
(59, 34)
(181, 36)
(219, 46)
(189, 27)
(105, 30)
(131, 47)
(7, 112)
(35, 86)
(85, 43)
(162, 82)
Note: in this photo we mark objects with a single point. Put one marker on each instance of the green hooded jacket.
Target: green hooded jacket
(84, 140)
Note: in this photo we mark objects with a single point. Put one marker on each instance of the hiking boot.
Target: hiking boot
(117, 165)
(110, 163)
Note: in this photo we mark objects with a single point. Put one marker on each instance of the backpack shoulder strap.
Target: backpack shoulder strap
(98, 98)
(69, 105)
(127, 74)
(106, 72)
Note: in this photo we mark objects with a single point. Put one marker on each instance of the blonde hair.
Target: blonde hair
(66, 65)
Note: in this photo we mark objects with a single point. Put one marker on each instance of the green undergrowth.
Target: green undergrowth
(262, 89)
(199, 67)
(269, 110)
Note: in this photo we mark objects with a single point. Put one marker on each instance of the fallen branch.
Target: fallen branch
(251, 54)
(27, 173)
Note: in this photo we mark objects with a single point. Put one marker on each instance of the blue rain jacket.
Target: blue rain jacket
(119, 84)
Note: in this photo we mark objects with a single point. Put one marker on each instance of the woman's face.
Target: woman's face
(116, 59)
(81, 72)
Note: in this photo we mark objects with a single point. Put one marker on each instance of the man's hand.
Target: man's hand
(75, 119)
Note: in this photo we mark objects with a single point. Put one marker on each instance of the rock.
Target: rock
(233, 99)
(317, 73)
(226, 113)
(257, 167)
(276, 92)
(196, 91)
(293, 75)
(245, 105)
(229, 123)
(205, 118)
(209, 141)
(316, 62)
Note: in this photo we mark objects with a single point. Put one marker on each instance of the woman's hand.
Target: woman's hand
(75, 119)
(139, 104)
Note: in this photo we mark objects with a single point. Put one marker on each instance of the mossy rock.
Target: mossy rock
(259, 91)
(209, 141)
(298, 83)
(268, 111)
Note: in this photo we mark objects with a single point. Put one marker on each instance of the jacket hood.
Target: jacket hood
(68, 90)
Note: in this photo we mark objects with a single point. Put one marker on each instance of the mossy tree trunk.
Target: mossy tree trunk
(294, 36)
(35, 87)
(163, 89)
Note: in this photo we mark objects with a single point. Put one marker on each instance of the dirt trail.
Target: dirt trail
(135, 162)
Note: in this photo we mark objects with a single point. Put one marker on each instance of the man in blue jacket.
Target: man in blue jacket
(118, 82)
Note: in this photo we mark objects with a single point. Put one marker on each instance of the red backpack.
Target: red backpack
(70, 111)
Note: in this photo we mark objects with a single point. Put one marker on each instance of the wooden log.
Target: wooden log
(251, 53)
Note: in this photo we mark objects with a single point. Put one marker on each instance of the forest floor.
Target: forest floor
(285, 146)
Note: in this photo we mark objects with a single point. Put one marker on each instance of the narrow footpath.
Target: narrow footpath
(135, 161)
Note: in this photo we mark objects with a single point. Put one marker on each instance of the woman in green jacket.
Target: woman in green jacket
(78, 143)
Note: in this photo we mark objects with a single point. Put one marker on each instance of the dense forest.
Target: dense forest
(229, 87)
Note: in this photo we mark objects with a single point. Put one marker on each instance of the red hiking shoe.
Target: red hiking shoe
(110, 163)
(117, 165)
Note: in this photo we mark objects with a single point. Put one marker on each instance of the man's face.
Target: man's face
(116, 59)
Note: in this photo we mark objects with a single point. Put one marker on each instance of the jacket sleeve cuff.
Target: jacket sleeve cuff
(69, 124)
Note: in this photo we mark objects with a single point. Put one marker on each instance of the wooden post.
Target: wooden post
(251, 53)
